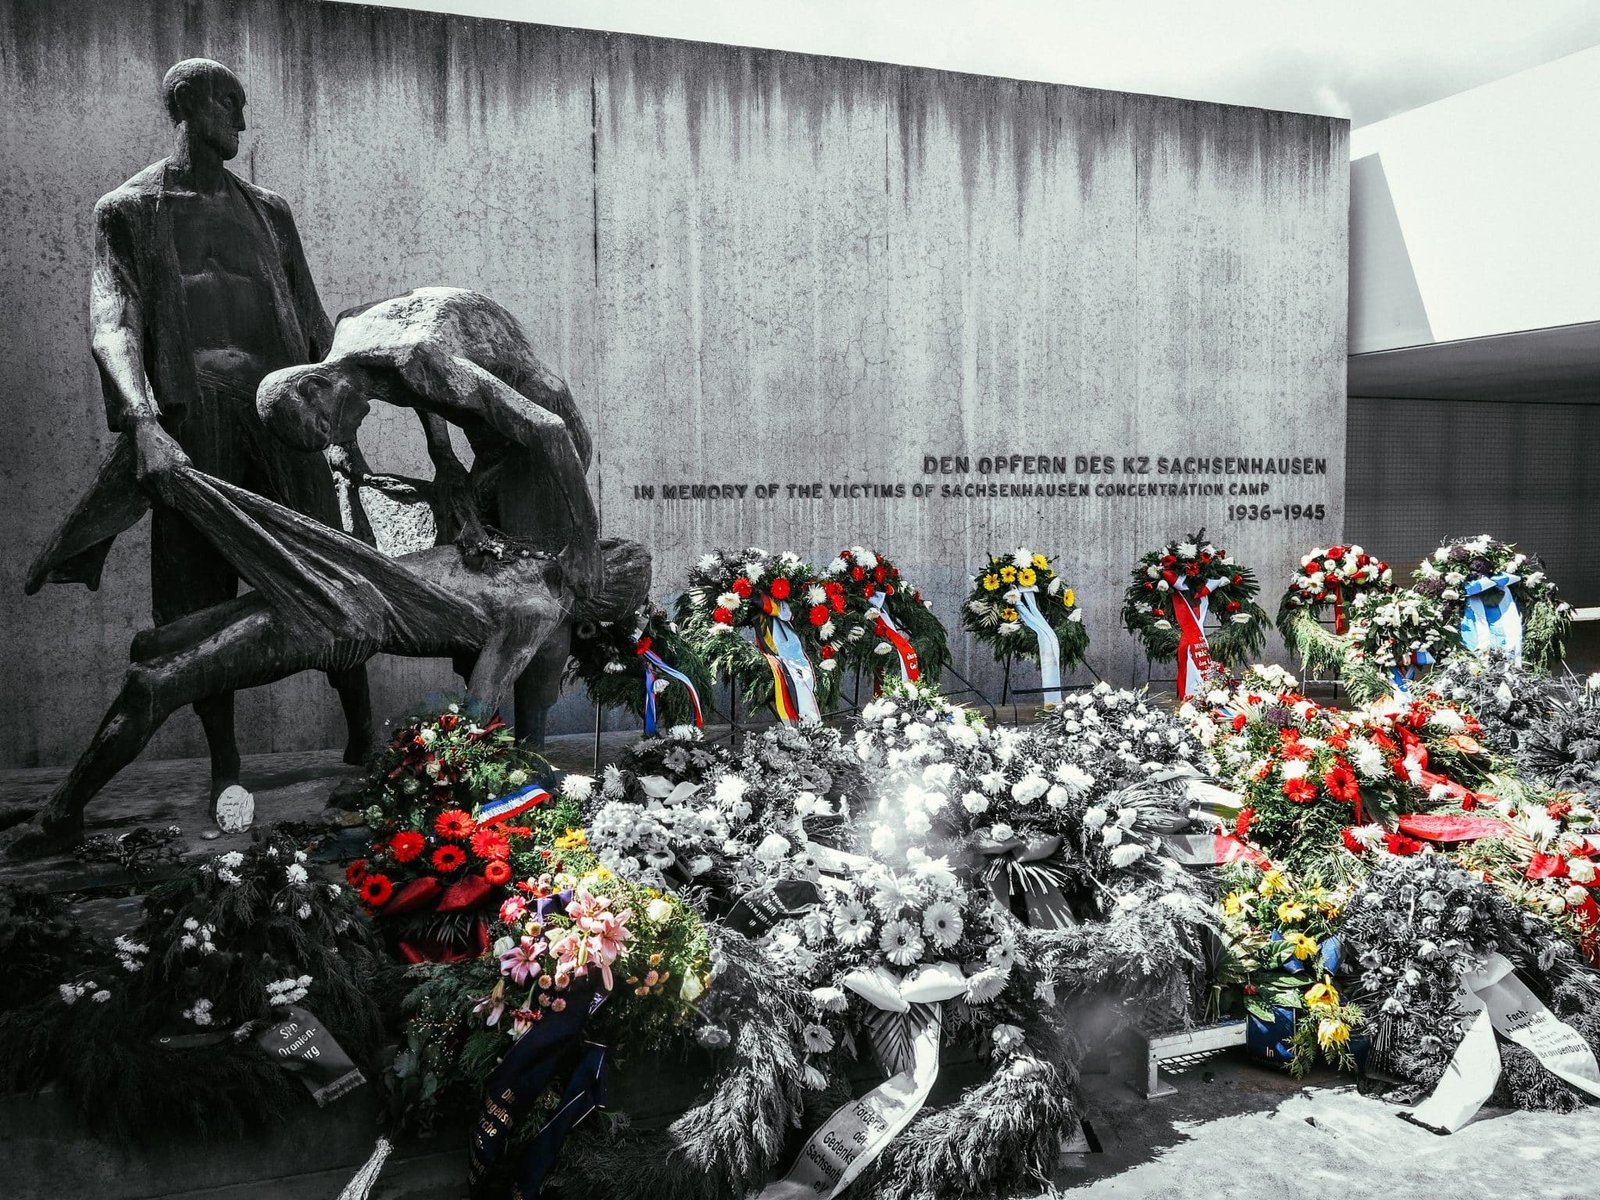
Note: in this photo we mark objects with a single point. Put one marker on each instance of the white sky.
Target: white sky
(1363, 59)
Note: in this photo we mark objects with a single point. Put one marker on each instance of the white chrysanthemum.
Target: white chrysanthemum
(1368, 759)
(901, 944)
(992, 782)
(577, 787)
(830, 999)
(728, 600)
(975, 803)
(985, 985)
(816, 595)
(942, 923)
(1126, 854)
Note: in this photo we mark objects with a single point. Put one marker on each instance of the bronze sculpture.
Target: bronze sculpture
(457, 357)
(200, 288)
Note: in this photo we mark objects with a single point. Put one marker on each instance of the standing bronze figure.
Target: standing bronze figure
(200, 289)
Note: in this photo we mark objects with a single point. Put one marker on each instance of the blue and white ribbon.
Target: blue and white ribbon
(653, 663)
(1049, 644)
(785, 644)
(1492, 619)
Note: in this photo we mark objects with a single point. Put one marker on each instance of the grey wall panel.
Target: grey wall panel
(1423, 470)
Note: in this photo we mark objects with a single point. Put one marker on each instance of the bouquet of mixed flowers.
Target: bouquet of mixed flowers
(1495, 597)
(1281, 956)
(799, 621)
(1018, 603)
(1333, 576)
(1392, 636)
(643, 665)
(1509, 701)
(447, 803)
(1173, 591)
(902, 624)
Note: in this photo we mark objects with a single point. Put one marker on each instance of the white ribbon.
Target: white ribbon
(879, 601)
(1500, 1002)
(857, 1132)
(787, 643)
(1049, 644)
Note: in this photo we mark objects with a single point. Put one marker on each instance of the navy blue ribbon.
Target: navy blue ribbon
(553, 1048)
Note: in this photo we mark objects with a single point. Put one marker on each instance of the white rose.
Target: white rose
(658, 910)
(1581, 870)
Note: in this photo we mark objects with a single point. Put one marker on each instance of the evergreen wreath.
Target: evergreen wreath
(1457, 565)
(991, 614)
(1397, 632)
(608, 657)
(867, 577)
(734, 590)
(1342, 577)
(1147, 607)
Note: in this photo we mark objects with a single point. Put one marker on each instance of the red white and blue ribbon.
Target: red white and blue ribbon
(1492, 620)
(1189, 609)
(794, 687)
(1049, 644)
(910, 668)
(654, 663)
(503, 808)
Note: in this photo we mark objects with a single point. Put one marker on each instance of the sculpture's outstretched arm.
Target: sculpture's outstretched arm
(520, 633)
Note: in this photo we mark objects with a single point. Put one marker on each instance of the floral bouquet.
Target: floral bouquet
(1392, 635)
(1020, 608)
(447, 799)
(902, 624)
(1333, 576)
(1172, 592)
(1496, 597)
(175, 1023)
(797, 620)
(644, 666)
(1510, 702)
(1280, 958)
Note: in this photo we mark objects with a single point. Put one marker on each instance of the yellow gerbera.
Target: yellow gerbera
(1272, 882)
(1040, 562)
(1291, 911)
(1026, 577)
(1304, 947)
(1008, 614)
(991, 583)
(1069, 598)
(1322, 995)
(1232, 904)
(572, 839)
(1332, 1032)
(1009, 574)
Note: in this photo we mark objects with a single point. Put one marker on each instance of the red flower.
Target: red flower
(1191, 568)
(356, 872)
(1238, 579)
(1239, 722)
(1335, 551)
(877, 575)
(722, 617)
(858, 574)
(1341, 784)
(837, 600)
(453, 823)
(826, 651)
(448, 858)
(819, 614)
(1158, 612)
(1301, 791)
(490, 843)
(1233, 606)
(448, 721)
(406, 845)
(833, 587)
(1169, 560)
(869, 591)
(497, 873)
(1559, 809)
(741, 588)
(1241, 826)
(1399, 843)
(780, 589)
(1351, 842)
(376, 890)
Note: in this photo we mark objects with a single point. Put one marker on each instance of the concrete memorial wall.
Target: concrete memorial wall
(805, 302)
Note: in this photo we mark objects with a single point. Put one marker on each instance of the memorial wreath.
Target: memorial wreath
(1498, 598)
(1021, 608)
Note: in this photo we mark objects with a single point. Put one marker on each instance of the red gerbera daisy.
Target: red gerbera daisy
(497, 872)
(742, 588)
(448, 858)
(376, 890)
(722, 616)
(819, 614)
(406, 845)
(490, 843)
(1341, 784)
(780, 589)
(356, 872)
(453, 823)
(1301, 791)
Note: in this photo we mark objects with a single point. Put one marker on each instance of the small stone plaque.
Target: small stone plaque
(236, 809)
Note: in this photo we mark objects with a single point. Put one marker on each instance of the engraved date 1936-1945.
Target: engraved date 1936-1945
(1279, 512)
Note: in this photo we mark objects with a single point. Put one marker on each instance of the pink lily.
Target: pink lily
(522, 960)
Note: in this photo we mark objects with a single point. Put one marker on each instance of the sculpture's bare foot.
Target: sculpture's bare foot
(362, 748)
